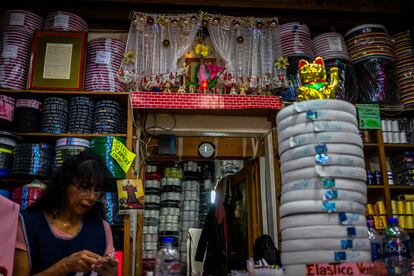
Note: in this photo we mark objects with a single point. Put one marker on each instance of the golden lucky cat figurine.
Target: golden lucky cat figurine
(313, 77)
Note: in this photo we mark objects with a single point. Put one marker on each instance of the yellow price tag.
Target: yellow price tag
(122, 155)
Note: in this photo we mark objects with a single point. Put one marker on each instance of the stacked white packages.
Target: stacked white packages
(323, 185)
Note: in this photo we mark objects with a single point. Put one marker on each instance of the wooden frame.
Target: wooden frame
(57, 61)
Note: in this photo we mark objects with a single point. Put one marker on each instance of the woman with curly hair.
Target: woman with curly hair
(63, 232)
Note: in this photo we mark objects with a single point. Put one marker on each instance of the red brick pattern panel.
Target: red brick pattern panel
(159, 100)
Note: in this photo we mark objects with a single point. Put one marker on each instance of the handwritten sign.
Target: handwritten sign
(337, 269)
(368, 116)
(122, 155)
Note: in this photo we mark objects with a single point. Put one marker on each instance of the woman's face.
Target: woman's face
(81, 196)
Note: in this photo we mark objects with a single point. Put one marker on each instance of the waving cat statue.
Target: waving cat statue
(314, 85)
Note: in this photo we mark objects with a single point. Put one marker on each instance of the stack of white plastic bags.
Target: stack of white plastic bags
(323, 185)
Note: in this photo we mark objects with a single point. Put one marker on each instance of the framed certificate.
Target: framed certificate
(57, 61)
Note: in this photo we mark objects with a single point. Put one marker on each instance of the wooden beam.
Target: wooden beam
(226, 148)
(354, 6)
(319, 15)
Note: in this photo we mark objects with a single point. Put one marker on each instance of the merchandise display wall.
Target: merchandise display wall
(49, 125)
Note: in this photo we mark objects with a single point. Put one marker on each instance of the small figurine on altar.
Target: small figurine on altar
(146, 84)
(155, 83)
(260, 91)
(181, 89)
(314, 85)
(167, 87)
(227, 81)
(243, 88)
(233, 90)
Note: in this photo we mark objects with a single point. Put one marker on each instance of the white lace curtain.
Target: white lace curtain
(155, 43)
(248, 45)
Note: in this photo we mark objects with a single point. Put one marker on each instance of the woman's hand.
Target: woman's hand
(106, 266)
(81, 261)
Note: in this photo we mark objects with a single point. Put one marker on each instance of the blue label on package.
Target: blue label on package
(331, 194)
(342, 217)
(346, 244)
(311, 115)
(351, 231)
(328, 182)
(322, 148)
(328, 206)
(340, 256)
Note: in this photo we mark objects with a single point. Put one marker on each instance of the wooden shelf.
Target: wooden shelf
(375, 187)
(89, 135)
(401, 187)
(120, 97)
(65, 92)
(399, 146)
(40, 137)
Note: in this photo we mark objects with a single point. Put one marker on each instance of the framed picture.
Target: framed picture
(130, 195)
(57, 61)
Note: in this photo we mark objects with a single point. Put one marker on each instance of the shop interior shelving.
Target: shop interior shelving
(121, 97)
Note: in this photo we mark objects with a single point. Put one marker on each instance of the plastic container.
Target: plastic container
(375, 238)
(168, 259)
(397, 250)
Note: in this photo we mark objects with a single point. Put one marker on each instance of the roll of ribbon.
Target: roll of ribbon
(338, 219)
(313, 105)
(326, 244)
(325, 183)
(324, 231)
(314, 149)
(325, 256)
(353, 173)
(323, 194)
(320, 206)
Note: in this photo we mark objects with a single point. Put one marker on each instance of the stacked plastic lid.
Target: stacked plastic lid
(123, 114)
(110, 202)
(81, 115)
(6, 112)
(32, 159)
(61, 21)
(28, 194)
(170, 203)
(206, 186)
(21, 18)
(17, 27)
(27, 113)
(152, 186)
(66, 147)
(404, 67)
(330, 46)
(190, 205)
(107, 117)
(369, 41)
(323, 185)
(102, 64)
(296, 40)
(55, 115)
(8, 142)
(101, 147)
(371, 51)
